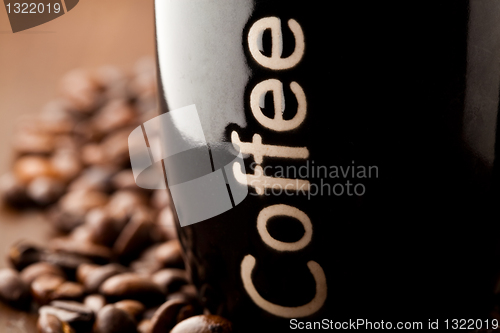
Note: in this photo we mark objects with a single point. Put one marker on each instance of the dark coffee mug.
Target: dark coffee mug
(368, 133)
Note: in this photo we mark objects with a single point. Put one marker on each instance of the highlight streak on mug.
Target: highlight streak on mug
(200, 178)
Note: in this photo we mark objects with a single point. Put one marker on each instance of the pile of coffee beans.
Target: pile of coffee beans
(116, 264)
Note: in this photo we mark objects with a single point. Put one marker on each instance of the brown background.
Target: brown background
(94, 33)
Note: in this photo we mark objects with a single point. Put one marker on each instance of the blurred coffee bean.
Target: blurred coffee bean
(45, 190)
(189, 294)
(132, 307)
(13, 191)
(81, 233)
(44, 286)
(48, 323)
(66, 164)
(115, 147)
(84, 270)
(116, 114)
(170, 279)
(95, 302)
(22, 254)
(160, 199)
(136, 235)
(132, 286)
(55, 117)
(93, 154)
(122, 204)
(69, 291)
(169, 254)
(124, 180)
(103, 229)
(187, 311)
(203, 324)
(144, 326)
(166, 316)
(31, 272)
(13, 290)
(81, 89)
(66, 261)
(111, 319)
(80, 202)
(77, 315)
(95, 278)
(97, 253)
(95, 178)
(29, 167)
(27, 142)
(114, 82)
(166, 223)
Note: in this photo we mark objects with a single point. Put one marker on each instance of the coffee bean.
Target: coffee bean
(29, 167)
(48, 323)
(96, 178)
(80, 202)
(124, 180)
(169, 254)
(31, 272)
(66, 261)
(69, 291)
(161, 199)
(13, 290)
(115, 115)
(93, 154)
(187, 311)
(166, 316)
(111, 319)
(22, 254)
(84, 270)
(77, 315)
(103, 229)
(136, 235)
(82, 91)
(170, 279)
(96, 253)
(13, 191)
(44, 287)
(95, 302)
(33, 142)
(66, 164)
(203, 324)
(132, 286)
(133, 308)
(166, 223)
(146, 263)
(144, 326)
(94, 279)
(115, 147)
(45, 190)
(81, 234)
(122, 204)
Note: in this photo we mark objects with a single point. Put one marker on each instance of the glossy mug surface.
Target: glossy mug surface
(368, 134)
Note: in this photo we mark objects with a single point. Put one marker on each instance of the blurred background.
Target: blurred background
(32, 62)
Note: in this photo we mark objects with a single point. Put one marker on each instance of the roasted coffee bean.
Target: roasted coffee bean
(115, 115)
(44, 287)
(95, 252)
(82, 91)
(166, 316)
(31, 272)
(82, 234)
(22, 254)
(161, 199)
(13, 290)
(166, 223)
(66, 261)
(29, 167)
(64, 221)
(115, 147)
(147, 264)
(203, 324)
(95, 302)
(103, 229)
(45, 190)
(170, 279)
(77, 315)
(136, 235)
(69, 291)
(133, 308)
(96, 178)
(95, 278)
(48, 323)
(84, 270)
(80, 202)
(111, 319)
(13, 191)
(32, 142)
(132, 286)
(169, 254)
(187, 311)
(123, 204)
(144, 326)
(93, 154)
(66, 164)
(124, 180)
